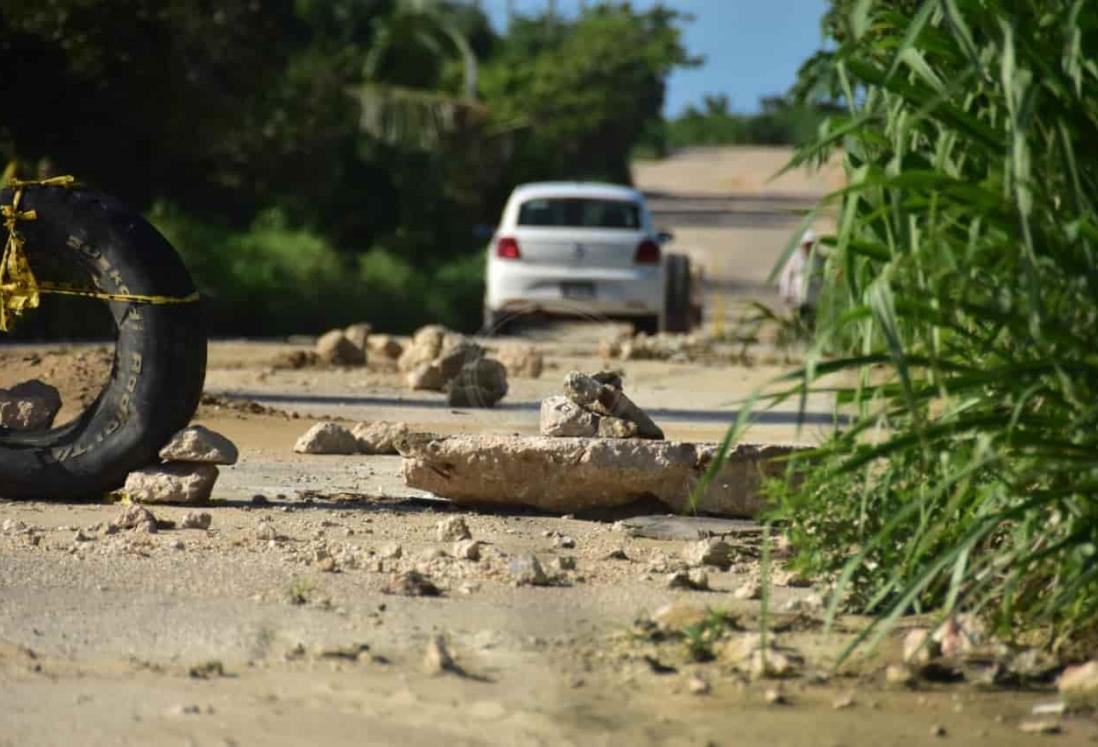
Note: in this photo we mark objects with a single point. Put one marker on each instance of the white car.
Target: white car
(578, 249)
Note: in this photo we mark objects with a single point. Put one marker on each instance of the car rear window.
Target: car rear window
(576, 212)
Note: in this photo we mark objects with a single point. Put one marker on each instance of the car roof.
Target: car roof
(595, 190)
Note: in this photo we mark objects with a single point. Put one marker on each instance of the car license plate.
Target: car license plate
(577, 291)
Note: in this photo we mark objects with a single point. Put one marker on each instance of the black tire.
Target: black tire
(677, 311)
(160, 351)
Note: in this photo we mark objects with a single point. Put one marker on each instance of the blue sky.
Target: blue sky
(752, 48)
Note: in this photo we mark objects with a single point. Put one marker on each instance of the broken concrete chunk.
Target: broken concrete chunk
(379, 437)
(424, 347)
(710, 552)
(199, 444)
(582, 389)
(196, 520)
(457, 353)
(411, 584)
(573, 474)
(522, 361)
(610, 427)
(359, 335)
(606, 400)
(695, 580)
(29, 406)
(384, 346)
(560, 417)
(452, 529)
(327, 438)
(1078, 684)
(134, 517)
(467, 549)
(525, 570)
(437, 658)
(335, 349)
(427, 376)
(171, 483)
(480, 383)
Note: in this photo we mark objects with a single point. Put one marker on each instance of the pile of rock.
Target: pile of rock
(29, 406)
(440, 360)
(595, 406)
(522, 360)
(348, 347)
(662, 347)
(188, 471)
(378, 437)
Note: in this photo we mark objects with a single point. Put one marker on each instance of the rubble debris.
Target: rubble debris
(748, 653)
(384, 346)
(327, 438)
(379, 437)
(749, 589)
(176, 482)
(610, 427)
(677, 616)
(411, 584)
(560, 417)
(391, 551)
(606, 400)
(427, 376)
(671, 527)
(572, 474)
(424, 347)
(710, 551)
(919, 648)
(467, 549)
(296, 359)
(525, 570)
(196, 520)
(1078, 684)
(359, 335)
(437, 658)
(899, 675)
(481, 382)
(134, 517)
(663, 347)
(1040, 726)
(452, 529)
(697, 686)
(198, 443)
(335, 349)
(696, 580)
(522, 360)
(29, 406)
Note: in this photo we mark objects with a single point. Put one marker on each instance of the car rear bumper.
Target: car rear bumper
(524, 286)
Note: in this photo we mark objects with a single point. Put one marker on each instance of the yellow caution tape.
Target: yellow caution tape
(20, 290)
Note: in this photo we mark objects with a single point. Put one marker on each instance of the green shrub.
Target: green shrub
(274, 280)
(962, 306)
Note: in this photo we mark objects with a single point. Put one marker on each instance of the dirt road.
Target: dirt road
(283, 622)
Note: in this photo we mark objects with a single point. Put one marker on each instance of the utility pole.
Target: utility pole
(510, 14)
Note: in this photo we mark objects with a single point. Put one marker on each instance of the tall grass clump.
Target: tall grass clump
(958, 324)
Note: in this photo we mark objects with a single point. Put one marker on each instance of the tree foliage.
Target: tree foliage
(961, 306)
(389, 125)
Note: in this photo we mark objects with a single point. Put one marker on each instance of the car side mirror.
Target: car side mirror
(665, 236)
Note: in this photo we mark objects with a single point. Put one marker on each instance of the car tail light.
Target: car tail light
(648, 253)
(507, 248)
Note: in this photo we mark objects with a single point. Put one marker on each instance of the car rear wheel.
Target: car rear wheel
(678, 291)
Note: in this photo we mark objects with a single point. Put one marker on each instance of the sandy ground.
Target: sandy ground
(274, 625)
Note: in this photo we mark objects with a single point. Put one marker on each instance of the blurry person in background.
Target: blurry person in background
(799, 285)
